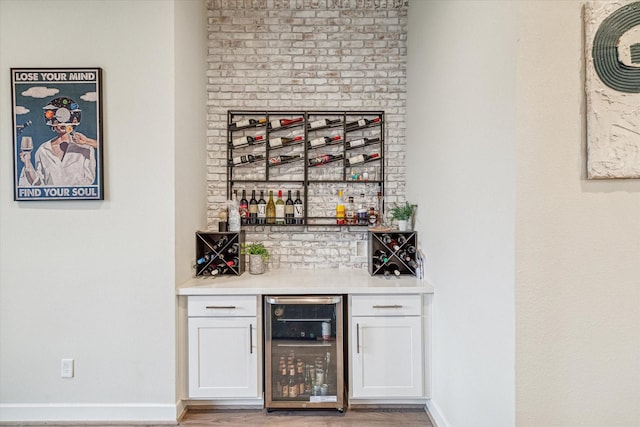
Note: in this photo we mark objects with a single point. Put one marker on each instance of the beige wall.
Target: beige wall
(577, 244)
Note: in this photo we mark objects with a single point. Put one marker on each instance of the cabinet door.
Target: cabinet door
(386, 357)
(223, 357)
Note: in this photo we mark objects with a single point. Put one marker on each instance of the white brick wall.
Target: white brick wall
(307, 55)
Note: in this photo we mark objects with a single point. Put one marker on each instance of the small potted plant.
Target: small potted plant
(258, 256)
(402, 214)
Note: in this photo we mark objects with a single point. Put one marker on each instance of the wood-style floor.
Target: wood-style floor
(351, 418)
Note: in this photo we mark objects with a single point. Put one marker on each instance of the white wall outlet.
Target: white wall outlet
(66, 370)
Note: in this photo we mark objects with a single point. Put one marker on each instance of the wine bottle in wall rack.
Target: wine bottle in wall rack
(361, 158)
(326, 158)
(245, 123)
(244, 208)
(361, 142)
(253, 208)
(262, 210)
(283, 140)
(362, 123)
(279, 123)
(322, 123)
(298, 209)
(280, 209)
(288, 209)
(324, 140)
(271, 209)
(249, 158)
(247, 140)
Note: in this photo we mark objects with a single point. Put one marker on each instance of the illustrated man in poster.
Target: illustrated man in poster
(67, 159)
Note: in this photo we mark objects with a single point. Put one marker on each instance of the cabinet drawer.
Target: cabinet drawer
(222, 306)
(386, 305)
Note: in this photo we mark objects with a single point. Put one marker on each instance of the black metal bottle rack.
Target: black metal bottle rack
(391, 250)
(219, 251)
(307, 148)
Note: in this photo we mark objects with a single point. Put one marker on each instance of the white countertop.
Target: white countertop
(304, 281)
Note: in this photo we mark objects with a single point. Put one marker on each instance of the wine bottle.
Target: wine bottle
(262, 209)
(282, 140)
(298, 210)
(315, 161)
(279, 123)
(219, 244)
(271, 209)
(278, 160)
(362, 123)
(249, 158)
(360, 142)
(340, 211)
(381, 256)
(288, 209)
(246, 140)
(253, 208)
(280, 209)
(322, 123)
(243, 124)
(318, 142)
(205, 258)
(392, 269)
(233, 249)
(244, 208)
(233, 262)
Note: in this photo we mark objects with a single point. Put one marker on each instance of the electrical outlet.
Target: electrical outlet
(67, 368)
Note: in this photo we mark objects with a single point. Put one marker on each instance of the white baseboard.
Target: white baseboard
(437, 419)
(71, 413)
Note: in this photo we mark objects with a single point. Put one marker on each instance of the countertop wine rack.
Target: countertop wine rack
(391, 251)
(219, 251)
(300, 150)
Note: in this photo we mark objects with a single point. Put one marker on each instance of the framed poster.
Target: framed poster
(57, 133)
(612, 52)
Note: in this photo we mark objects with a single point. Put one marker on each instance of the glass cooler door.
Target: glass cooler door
(304, 352)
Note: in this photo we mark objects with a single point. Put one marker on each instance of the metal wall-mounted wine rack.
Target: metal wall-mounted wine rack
(393, 253)
(297, 150)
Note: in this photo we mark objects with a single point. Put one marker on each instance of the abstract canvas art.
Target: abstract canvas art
(612, 55)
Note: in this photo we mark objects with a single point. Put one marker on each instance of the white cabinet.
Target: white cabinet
(387, 357)
(224, 347)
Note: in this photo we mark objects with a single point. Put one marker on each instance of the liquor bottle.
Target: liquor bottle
(244, 208)
(262, 209)
(318, 142)
(282, 140)
(322, 123)
(340, 212)
(253, 208)
(307, 380)
(271, 209)
(363, 215)
(242, 124)
(315, 161)
(283, 382)
(351, 213)
(279, 209)
(361, 123)
(277, 124)
(373, 217)
(288, 210)
(298, 209)
(293, 386)
(300, 378)
(392, 269)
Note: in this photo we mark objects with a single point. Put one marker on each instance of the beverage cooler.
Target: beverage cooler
(304, 349)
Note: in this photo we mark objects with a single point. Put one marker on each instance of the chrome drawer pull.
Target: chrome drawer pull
(250, 338)
(358, 338)
(387, 306)
(221, 307)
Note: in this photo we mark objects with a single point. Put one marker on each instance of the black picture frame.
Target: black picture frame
(57, 133)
